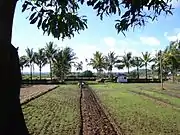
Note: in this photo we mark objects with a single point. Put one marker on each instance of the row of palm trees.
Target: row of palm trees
(59, 60)
(101, 62)
(169, 59)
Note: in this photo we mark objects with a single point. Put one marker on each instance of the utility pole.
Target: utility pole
(161, 70)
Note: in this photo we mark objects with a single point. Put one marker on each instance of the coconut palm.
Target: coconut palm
(146, 59)
(30, 60)
(22, 62)
(156, 64)
(126, 61)
(78, 66)
(137, 62)
(50, 50)
(172, 57)
(86, 60)
(152, 70)
(98, 62)
(40, 60)
(111, 60)
(63, 61)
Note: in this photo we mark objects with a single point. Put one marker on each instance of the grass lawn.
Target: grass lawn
(139, 115)
(55, 113)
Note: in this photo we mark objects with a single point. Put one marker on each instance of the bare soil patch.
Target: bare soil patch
(31, 92)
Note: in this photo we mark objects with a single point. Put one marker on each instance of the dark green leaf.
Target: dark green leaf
(29, 3)
(88, 3)
(82, 1)
(34, 20)
(33, 8)
(168, 11)
(44, 24)
(24, 6)
(97, 5)
(40, 22)
(93, 2)
(32, 16)
(37, 4)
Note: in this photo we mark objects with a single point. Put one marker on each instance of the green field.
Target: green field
(54, 113)
(138, 109)
(141, 115)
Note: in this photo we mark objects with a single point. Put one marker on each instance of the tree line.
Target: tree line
(62, 60)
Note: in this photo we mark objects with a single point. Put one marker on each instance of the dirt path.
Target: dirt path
(94, 119)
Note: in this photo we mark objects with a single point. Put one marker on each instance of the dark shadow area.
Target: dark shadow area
(12, 120)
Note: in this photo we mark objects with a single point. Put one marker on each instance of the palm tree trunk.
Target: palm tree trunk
(159, 72)
(128, 70)
(173, 74)
(137, 72)
(31, 73)
(50, 69)
(11, 118)
(146, 71)
(40, 72)
(152, 74)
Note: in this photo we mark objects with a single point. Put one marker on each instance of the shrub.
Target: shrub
(87, 73)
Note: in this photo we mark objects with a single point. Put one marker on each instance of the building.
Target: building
(122, 78)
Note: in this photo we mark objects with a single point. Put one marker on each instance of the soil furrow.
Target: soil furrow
(94, 119)
(155, 98)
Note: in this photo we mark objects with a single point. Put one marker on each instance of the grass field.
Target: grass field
(138, 114)
(55, 113)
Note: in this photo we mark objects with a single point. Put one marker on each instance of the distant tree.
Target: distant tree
(40, 60)
(156, 64)
(63, 61)
(78, 66)
(119, 65)
(30, 59)
(146, 59)
(111, 60)
(172, 57)
(152, 70)
(126, 61)
(87, 73)
(23, 60)
(50, 50)
(137, 62)
(87, 62)
(98, 62)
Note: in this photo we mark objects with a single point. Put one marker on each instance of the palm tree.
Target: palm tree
(172, 57)
(50, 51)
(63, 61)
(98, 62)
(111, 60)
(30, 60)
(146, 59)
(40, 60)
(157, 62)
(152, 70)
(126, 61)
(78, 66)
(137, 62)
(22, 62)
(86, 60)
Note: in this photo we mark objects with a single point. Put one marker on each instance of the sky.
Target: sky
(100, 36)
